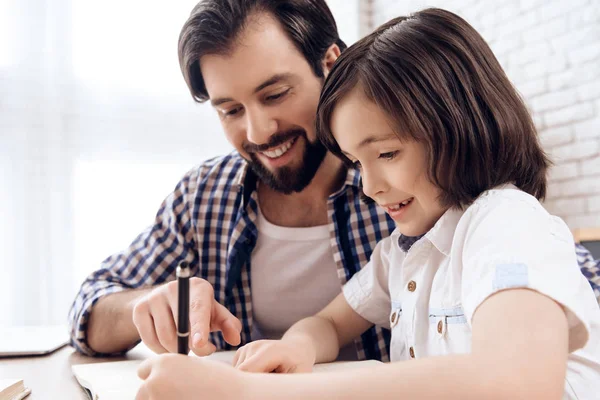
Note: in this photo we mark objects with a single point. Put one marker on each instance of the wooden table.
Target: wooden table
(50, 377)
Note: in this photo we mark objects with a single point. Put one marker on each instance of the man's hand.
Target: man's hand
(154, 316)
(282, 356)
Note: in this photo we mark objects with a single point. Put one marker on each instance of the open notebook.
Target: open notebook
(119, 380)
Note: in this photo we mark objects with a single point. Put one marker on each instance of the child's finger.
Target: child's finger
(145, 369)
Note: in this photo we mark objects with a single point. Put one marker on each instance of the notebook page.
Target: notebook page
(119, 381)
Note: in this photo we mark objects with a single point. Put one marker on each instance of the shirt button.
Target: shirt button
(412, 352)
(393, 318)
(440, 327)
(412, 286)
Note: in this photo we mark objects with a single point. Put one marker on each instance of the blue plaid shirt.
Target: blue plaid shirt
(209, 221)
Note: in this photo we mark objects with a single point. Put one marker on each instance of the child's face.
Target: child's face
(394, 172)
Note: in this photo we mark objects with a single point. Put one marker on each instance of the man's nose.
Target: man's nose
(261, 125)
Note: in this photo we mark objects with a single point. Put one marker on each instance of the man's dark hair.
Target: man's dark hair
(214, 25)
(440, 84)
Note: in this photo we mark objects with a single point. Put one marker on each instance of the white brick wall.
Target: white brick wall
(550, 49)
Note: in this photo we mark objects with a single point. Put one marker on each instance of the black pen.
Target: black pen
(183, 306)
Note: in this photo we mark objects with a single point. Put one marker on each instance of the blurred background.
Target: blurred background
(97, 125)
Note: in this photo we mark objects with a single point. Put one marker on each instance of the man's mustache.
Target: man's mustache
(274, 141)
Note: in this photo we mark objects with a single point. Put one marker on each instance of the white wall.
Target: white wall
(550, 49)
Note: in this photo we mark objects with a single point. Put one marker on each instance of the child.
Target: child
(479, 284)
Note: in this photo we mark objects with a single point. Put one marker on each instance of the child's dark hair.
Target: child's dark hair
(440, 84)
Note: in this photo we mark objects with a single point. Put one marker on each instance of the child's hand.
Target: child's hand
(174, 376)
(281, 356)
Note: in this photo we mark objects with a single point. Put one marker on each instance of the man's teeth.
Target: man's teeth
(278, 152)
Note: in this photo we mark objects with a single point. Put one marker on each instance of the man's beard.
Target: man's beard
(287, 179)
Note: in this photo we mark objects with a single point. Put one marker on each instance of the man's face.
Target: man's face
(266, 95)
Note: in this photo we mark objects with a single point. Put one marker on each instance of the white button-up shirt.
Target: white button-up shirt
(505, 239)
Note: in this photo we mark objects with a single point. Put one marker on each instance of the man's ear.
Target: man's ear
(332, 54)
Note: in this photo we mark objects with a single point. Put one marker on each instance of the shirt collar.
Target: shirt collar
(245, 180)
(440, 235)
(352, 181)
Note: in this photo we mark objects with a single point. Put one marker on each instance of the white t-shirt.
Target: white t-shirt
(504, 240)
(293, 275)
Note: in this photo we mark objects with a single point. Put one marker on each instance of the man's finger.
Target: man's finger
(201, 300)
(145, 326)
(164, 325)
(226, 322)
(205, 350)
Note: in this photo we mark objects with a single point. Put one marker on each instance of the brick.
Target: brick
(579, 186)
(574, 38)
(554, 137)
(505, 44)
(518, 23)
(561, 172)
(591, 167)
(472, 13)
(568, 206)
(530, 52)
(488, 20)
(532, 88)
(583, 221)
(526, 5)
(593, 204)
(509, 10)
(554, 190)
(549, 65)
(538, 121)
(570, 114)
(581, 54)
(587, 129)
(559, 8)
(589, 91)
(585, 16)
(554, 100)
(553, 28)
(575, 151)
(575, 75)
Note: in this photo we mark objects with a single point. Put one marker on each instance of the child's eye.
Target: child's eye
(389, 155)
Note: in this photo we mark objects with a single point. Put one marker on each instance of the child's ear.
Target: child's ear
(331, 55)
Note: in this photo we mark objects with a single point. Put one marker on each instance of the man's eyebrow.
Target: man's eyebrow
(271, 81)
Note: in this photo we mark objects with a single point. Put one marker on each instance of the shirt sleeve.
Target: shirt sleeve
(590, 268)
(151, 259)
(367, 292)
(516, 244)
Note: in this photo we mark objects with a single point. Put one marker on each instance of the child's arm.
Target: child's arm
(519, 351)
(311, 340)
